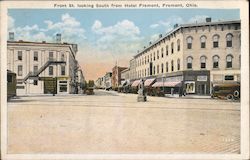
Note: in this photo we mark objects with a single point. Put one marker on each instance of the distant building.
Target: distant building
(43, 68)
(116, 76)
(125, 76)
(194, 56)
(108, 80)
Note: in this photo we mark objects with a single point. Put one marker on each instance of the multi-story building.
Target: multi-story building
(108, 80)
(193, 56)
(132, 69)
(125, 76)
(80, 81)
(116, 76)
(43, 67)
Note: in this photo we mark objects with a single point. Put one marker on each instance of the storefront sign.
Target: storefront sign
(190, 87)
(201, 78)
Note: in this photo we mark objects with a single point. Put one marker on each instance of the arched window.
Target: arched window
(203, 61)
(178, 64)
(157, 69)
(162, 68)
(172, 47)
(166, 50)
(172, 65)
(162, 54)
(189, 62)
(216, 61)
(178, 45)
(154, 56)
(216, 41)
(166, 66)
(157, 54)
(229, 60)
(229, 38)
(151, 57)
(203, 41)
(189, 42)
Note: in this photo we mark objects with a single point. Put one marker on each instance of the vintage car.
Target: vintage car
(228, 91)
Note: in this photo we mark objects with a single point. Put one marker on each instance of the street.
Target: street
(110, 122)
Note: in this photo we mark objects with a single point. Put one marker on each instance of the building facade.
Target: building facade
(108, 80)
(125, 76)
(195, 55)
(42, 67)
(116, 76)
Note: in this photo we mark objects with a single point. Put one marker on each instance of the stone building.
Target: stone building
(42, 67)
(193, 56)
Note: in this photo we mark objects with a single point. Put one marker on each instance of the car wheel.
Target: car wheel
(229, 97)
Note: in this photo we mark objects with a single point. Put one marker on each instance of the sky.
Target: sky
(105, 37)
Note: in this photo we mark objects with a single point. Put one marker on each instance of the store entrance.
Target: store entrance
(202, 89)
(50, 86)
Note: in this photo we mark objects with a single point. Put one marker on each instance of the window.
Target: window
(157, 54)
(189, 62)
(166, 50)
(162, 68)
(229, 60)
(229, 38)
(50, 56)
(203, 61)
(162, 54)
(19, 55)
(229, 77)
(62, 70)
(148, 58)
(154, 56)
(239, 61)
(35, 58)
(189, 42)
(35, 68)
(166, 66)
(50, 70)
(215, 41)
(216, 62)
(178, 64)
(172, 47)
(154, 69)
(172, 65)
(19, 70)
(9, 78)
(35, 82)
(62, 57)
(203, 42)
(151, 57)
(157, 69)
(178, 45)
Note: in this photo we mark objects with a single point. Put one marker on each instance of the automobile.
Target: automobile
(227, 91)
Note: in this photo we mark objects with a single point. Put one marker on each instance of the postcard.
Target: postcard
(124, 80)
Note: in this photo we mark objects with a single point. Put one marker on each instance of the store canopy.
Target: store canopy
(166, 84)
(149, 82)
(135, 83)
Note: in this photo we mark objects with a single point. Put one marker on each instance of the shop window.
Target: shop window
(229, 60)
(35, 58)
(19, 55)
(229, 38)
(189, 42)
(215, 41)
(215, 62)
(203, 62)
(189, 62)
(203, 41)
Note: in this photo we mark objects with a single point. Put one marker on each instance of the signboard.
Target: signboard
(202, 78)
(190, 87)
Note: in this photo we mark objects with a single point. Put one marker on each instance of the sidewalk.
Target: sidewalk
(188, 96)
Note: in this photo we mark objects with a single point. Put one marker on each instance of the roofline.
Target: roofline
(185, 26)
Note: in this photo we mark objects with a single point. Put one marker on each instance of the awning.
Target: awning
(135, 83)
(167, 84)
(148, 82)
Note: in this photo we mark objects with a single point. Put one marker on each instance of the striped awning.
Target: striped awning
(148, 82)
(166, 84)
(135, 83)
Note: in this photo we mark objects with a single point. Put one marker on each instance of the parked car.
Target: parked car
(226, 91)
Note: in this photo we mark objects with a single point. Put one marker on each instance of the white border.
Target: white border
(244, 10)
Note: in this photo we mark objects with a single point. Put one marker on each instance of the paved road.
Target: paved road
(108, 122)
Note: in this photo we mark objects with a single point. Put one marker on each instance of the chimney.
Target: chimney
(58, 38)
(208, 19)
(160, 35)
(176, 25)
(150, 43)
(11, 36)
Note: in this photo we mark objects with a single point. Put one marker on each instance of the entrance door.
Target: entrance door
(202, 89)
(50, 86)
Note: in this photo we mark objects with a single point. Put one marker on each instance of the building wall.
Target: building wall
(28, 50)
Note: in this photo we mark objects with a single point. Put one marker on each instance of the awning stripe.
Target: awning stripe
(167, 84)
(149, 82)
(135, 83)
